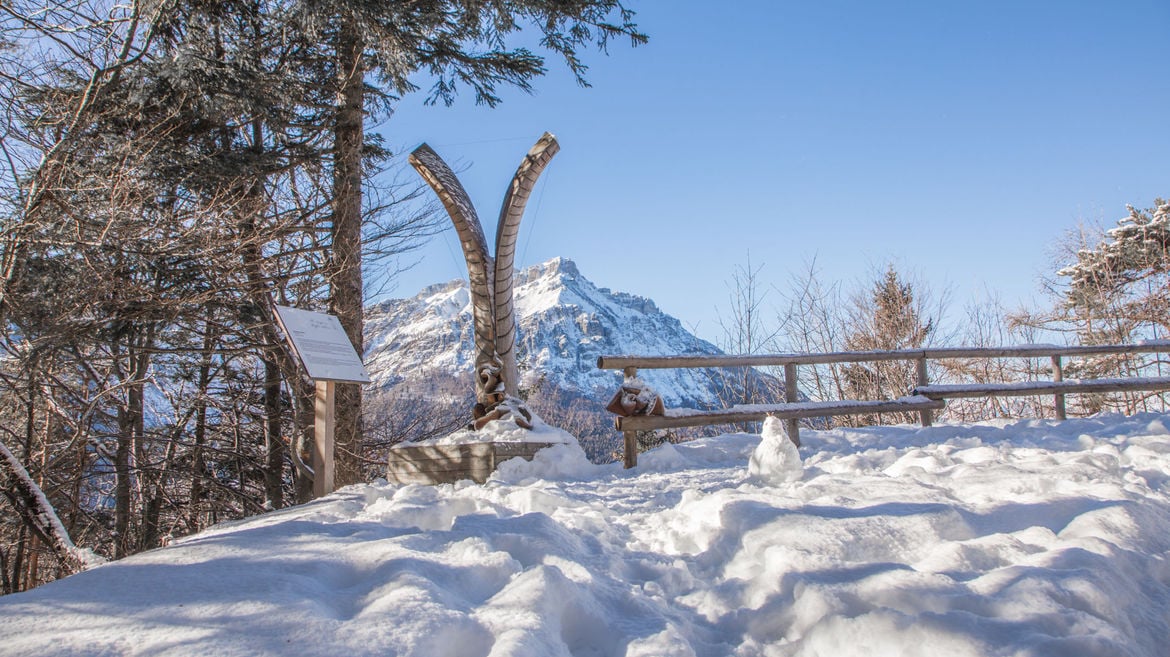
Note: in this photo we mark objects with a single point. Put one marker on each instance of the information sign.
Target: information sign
(322, 346)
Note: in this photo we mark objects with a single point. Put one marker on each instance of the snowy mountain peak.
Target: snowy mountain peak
(565, 323)
(559, 265)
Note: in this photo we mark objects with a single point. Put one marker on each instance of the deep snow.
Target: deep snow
(1010, 538)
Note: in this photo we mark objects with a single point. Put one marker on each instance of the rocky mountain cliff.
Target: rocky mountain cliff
(565, 323)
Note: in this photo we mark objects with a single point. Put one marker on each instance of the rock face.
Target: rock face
(565, 323)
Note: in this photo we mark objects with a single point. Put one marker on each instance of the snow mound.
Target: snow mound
(1008, 538)
(563, 461)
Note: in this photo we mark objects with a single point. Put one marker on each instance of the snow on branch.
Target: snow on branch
(38, 514)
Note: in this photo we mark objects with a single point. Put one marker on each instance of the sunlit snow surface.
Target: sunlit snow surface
(1021, 538)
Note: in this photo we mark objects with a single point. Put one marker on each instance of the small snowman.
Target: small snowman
(775, 460)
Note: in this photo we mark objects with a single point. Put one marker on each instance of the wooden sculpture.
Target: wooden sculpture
(490, 280)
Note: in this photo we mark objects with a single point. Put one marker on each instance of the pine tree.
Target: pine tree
(1120, 288)
(889, 318)
(1118, 291)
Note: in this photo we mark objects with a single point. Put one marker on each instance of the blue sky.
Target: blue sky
(959, 140)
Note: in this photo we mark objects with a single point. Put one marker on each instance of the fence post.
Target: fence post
(791, 395)
(630, 442)
(1058, 375)
(927, 416)
(630, 449)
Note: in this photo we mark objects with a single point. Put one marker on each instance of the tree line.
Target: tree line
(171, 169)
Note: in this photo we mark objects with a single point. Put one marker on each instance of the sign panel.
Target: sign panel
(322, 345)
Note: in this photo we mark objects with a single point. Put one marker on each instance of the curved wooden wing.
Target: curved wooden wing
(509, 228)
(479, 264)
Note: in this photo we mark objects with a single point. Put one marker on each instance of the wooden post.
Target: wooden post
(630, 451)
(323, 422)
(1058, 375)
(630, 444)
(927, 416)
(791, 395)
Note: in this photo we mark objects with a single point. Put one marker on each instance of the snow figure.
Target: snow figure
(775, 460)
(490, 280)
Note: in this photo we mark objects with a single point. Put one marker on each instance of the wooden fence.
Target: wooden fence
(923, 398)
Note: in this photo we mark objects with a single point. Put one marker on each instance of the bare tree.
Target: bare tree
(746, 330)
(812, 320)
(987, 323)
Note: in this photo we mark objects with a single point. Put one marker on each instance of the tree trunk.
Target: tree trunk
(274, 455)
(36, 513)
(152, 509)
(122, 485)
(305, 396)
(6, 586)
(345, 276)
(18, 562)
(136, 395)
(198, 464)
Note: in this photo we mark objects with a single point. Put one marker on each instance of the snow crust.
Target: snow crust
(1020, 538)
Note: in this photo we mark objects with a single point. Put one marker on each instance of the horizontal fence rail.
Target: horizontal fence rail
(924, 398)
(757, 412)
(961, 391)
(942, 353)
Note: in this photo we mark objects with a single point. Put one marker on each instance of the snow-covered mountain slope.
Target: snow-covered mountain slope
(565, 323)
(1030, 538)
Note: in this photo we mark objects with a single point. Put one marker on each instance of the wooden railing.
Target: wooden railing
(924, 398)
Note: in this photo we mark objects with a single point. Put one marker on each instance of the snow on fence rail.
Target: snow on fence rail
(924, 398)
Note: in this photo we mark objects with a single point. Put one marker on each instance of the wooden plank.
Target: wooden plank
(323, 426)
(758, 412)
(427, 479)
(678, 362)
(1020, 351)
(467, 451)
(505, 451)
(442, 452)
(961, 391)
(435, 464)
(1044, 351)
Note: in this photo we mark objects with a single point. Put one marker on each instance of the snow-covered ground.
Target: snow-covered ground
(1016, 538)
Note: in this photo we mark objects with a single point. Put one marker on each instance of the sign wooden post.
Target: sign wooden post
(323, 425)
(329, 357)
